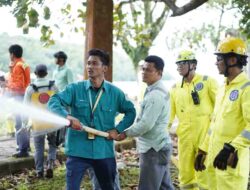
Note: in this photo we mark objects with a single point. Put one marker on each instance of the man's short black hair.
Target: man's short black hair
(103, 55)
(158, 62)
(16, 50)
(61, 55)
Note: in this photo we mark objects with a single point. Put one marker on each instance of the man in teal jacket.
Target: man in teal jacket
(94, 103)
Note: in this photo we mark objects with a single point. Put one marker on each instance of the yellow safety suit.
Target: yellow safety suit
(230, 124)
(194, 121)
(10, 124)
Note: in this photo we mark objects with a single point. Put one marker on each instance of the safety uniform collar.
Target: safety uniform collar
(195, 78)
(240, 78)
(104, 85)
(61, 67)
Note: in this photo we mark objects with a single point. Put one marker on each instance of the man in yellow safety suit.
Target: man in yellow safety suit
(192, 101)
(228, 139)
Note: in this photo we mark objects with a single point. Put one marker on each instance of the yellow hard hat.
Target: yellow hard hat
(185, 55)
(232, 45)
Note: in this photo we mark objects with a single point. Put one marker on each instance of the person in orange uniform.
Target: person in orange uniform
(19, 79)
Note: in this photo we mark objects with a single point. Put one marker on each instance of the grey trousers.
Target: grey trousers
(39, 143)
(154, 169)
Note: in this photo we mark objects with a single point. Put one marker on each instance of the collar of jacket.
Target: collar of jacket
(104, 85)
(241, 77)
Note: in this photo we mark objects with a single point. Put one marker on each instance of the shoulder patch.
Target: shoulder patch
(234, 95)
(199, 86)
(174, 86)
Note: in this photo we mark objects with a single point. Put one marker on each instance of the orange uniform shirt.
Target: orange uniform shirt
(19, 77)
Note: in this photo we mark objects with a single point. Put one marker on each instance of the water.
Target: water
(53, 121)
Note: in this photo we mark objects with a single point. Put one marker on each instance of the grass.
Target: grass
(27, 181)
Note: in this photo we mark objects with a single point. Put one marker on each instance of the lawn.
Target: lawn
(27, 181)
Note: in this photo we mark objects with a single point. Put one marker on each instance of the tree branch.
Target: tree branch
(159, 23)
(133, 12)
(125, 2)
(153, 9)
(177, 11)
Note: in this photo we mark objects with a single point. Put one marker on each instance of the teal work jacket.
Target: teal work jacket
(113, 101)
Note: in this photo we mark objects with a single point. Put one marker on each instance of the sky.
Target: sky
(206, 61)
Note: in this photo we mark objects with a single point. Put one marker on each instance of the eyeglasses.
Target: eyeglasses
(219, 58)
(181, 63)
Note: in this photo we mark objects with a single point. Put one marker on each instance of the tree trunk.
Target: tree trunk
(99, 30)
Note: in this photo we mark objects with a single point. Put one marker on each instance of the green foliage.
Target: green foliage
(218, 3)
(244, 9)
(46, 36)
(66, 10)
(136, 37)
(6, 2)
(46, 13)
(33, 17)
(26, 16)
(195, 37)
(29, 17)
(20, 12)
(136, 25)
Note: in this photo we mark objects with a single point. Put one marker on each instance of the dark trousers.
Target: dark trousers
(105, 170)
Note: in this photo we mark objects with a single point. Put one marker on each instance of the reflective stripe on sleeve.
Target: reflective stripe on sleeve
(246, 134)
(205, 78)
(245, 85)
(209, 132)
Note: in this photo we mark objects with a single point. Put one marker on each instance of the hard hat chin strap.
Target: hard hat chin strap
(186, 75)
(226, 73)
